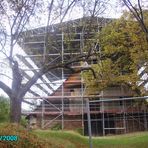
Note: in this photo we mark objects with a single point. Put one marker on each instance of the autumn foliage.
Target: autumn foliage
(25, 139)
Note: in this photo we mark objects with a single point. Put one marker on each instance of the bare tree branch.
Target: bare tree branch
(66, 11)
(18, 14)
(5, 88)
(6, 76)
(138, 14)
(23, 24)
(48, 67)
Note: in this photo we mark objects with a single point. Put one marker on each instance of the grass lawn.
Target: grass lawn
(73, 140)
(68, 139)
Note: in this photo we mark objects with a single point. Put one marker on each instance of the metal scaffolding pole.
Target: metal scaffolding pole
(124, 119)
(82, 93)
(119, 99)
(44, 48)
(43, 110)
(89, 123)
(103, 122)
(63, 82)
(145, 119)
(82, 87)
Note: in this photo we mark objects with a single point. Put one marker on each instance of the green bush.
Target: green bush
(25, 138)
(23, 121)
(4, 109)
(56, 127)
(80, 131)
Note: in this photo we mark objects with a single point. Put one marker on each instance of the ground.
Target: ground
(74, 140)
(68, 139)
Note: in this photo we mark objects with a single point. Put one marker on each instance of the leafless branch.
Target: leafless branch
(6, 76)
(48, 67)
(138, 14)
(4, 11)
(22, 23)
(5, 88)
(66, 11)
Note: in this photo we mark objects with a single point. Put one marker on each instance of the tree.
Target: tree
(123, 52)
(15, 16)
(137, 9)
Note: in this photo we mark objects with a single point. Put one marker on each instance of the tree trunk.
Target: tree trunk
(15, 110)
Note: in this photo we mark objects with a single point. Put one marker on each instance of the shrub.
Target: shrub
(56, 126)
(80, 131)
(25, 138)
(23, 121)
(4, 109)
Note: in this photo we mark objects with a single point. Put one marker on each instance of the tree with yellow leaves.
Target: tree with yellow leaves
(123, 50)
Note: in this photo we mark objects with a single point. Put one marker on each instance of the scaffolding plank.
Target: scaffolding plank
(60, 97)
(34, 71)
(38, 85)
(28, 102)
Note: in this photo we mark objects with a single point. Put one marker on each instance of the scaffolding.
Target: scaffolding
(62, 92)
(67, 41)
(119, 115)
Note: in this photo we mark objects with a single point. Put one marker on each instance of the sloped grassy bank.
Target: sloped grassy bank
(74, 140)
(67, 139)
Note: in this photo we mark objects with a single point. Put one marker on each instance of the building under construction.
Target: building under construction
(64, 97)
